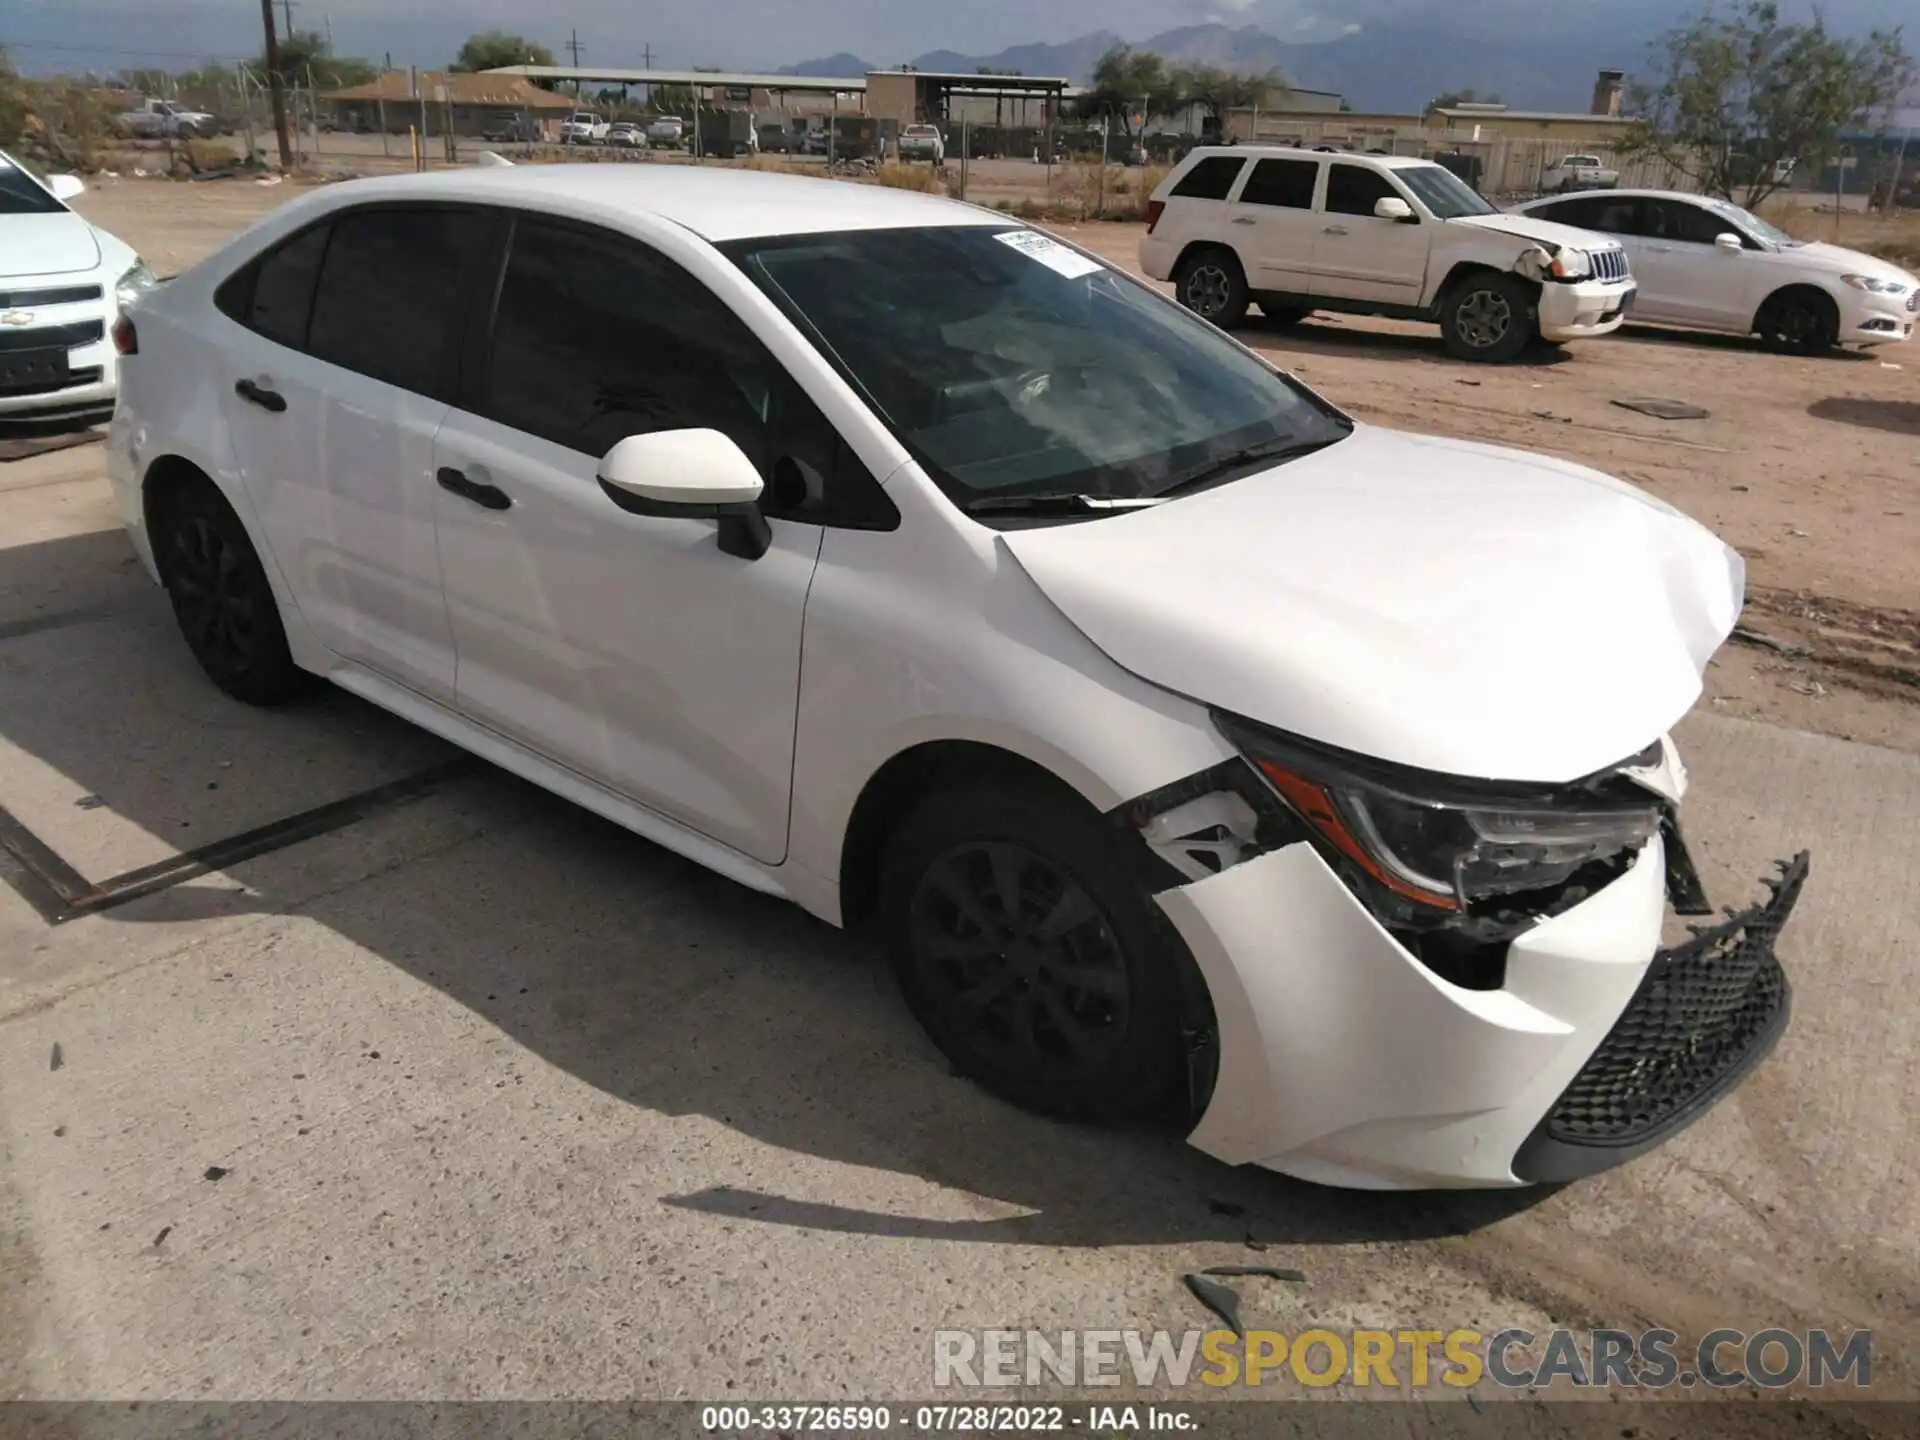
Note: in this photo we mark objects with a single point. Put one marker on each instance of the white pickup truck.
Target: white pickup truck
(1577, 172)
(1297, 231)
(583, 127)
(156, 119)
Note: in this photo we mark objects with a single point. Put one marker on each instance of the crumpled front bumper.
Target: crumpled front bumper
(1344, 1060)
(1585, 308)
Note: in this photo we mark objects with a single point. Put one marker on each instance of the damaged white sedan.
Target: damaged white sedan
(1201, 753)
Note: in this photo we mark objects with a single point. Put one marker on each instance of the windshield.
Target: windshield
(1011, 364)
(21, 194)
(1754, 225)
(1443, 192)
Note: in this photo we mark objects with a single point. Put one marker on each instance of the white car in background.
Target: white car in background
(1707, 264)
(1200, 753)
(583, 127)
(627, 134)
(1299, 231)
(669, 131)
(63, 284)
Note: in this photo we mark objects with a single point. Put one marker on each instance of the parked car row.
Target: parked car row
(585, 127)
(1295, 231)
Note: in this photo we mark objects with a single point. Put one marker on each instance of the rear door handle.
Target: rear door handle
(254, 393)
(1661, 249)
(1334, 230)
(1243, 219)
(487, 497)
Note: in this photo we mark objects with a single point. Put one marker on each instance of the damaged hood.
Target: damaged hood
(1541, 232)
(1436, 603)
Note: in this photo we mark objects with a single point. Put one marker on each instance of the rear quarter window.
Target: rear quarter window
(1211, 179)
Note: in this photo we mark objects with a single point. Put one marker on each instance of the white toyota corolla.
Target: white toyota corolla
(1200, 752)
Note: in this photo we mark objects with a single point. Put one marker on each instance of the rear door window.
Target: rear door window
(1283, 184)
(392, 293)
(1211, 179)
(274, 295)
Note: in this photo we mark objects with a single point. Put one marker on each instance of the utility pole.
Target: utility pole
(573, 47)
(276, 88)
(646, 56)
(286, 10)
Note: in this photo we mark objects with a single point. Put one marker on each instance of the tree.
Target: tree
(1217, 91)
(1736, 103)
(497, 49)
(1469, 96)
(309, 53)
(1129, 84)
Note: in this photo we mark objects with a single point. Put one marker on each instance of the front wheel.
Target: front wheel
(1212, 285)
(1488, 317)
(1027, 947)
(1799, 322)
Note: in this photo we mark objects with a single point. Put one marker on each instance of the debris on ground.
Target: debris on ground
(1222, 1300)
(1271, 1272)
(1663, 409)
(1253, 1244)
(1549, 415)
(59, 1132)
(1225, 1207)
(1808, 687)
(89, 802)
(160, 1239)
(56, 1060)
(1748, 635)
(216, 1172)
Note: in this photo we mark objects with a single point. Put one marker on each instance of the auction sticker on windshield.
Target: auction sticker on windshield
(1049, 252)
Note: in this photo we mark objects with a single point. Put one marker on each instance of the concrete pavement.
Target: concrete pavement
(480, 1096)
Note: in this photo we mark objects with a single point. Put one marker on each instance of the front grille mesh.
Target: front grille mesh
(1702, 1016)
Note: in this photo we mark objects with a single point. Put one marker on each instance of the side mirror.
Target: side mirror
(66, 187)
(690, 475)
(1728, 242)
(1392, 207)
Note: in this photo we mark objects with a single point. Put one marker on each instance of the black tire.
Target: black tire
(1072, 1005)
(1283, 317)
(1489, 317)
(1212, 285)
(1798, 322)
(221, 598)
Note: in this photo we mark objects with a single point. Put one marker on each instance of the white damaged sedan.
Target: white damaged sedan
(1201, 753)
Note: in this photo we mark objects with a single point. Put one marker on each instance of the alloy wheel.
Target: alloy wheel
(217, 608)
(1483, 318)
(1207, 289)
(1020, 962)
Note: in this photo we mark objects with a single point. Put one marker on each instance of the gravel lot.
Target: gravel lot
(509, 1103)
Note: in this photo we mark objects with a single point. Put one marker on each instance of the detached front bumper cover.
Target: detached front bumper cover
(1706, 1013)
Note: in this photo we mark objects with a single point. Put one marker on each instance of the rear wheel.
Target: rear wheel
(1489, 317)
(1027, 947)
(221, 597)
(1211, 283)
(1799, 322)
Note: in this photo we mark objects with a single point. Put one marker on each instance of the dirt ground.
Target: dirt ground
(1811, 468)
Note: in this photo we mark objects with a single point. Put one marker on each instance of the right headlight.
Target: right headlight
(1437, 845)
(1876, 285)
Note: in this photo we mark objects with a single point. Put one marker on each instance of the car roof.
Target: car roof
(1302, 152)
(1625, 194)
(717, 204)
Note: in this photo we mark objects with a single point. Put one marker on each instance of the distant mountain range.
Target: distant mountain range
(1397, 69)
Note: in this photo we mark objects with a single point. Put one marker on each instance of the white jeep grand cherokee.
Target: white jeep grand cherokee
(1299, 231)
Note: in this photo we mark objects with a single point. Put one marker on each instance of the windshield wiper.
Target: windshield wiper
(1057, 503)
(1283, 447)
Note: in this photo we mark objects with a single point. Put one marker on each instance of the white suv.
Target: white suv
(1706, 264)
(1299, 231)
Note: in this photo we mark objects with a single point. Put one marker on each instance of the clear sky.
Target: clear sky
(751, 34)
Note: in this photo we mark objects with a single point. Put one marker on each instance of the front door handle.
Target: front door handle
(254, 393)
(1661, 249)
(1243, 219)
(487, 497)
(1334, 230)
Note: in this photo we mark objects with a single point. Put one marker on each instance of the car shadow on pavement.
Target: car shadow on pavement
(1327, 334)
(1713, 340)
(1902, 417)
(659, 983)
